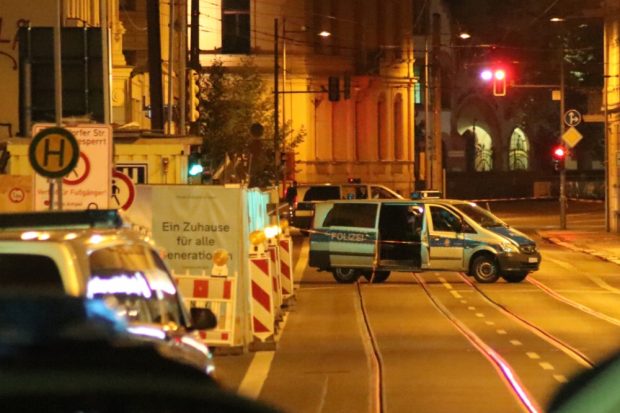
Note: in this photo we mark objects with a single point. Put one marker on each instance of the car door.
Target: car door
(445, 239)
(346, 237)
(401, 225)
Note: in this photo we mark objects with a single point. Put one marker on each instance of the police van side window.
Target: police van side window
(29, 272)
(322, 193)
(444, 220)
(351, 215)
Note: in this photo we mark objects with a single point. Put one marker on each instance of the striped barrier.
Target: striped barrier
(285, 247)
(218, 294)
(274, 256)
(262, 305)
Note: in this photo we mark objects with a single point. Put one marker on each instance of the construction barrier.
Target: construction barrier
(226, 253)
(274, 256)
(262, 300)
(285, 248)
(218, 294)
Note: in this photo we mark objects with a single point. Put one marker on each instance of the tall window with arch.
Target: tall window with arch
(484, 150)
(381, 128)
(518, 155)
(398, 127)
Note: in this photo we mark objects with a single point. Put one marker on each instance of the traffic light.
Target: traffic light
(282, 158)
(194, 164)
(559, 156)
(499, 82)
(194, 94)
(334, 88)
(497, 75)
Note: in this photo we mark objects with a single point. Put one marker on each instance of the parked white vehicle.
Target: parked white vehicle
(94, 254)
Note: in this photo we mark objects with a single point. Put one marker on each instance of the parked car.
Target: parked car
(374, 237)
(426, 194)
(95, 254)
(68, 354)
(302, 212)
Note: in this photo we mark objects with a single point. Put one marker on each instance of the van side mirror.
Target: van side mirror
(203, 318)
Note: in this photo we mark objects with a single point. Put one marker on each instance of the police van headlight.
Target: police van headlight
(508, 247)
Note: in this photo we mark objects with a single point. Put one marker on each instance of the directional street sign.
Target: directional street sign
(572, 117)
(53, 152)
(572, 137)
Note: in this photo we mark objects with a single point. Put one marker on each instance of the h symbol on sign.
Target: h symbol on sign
(60, 153)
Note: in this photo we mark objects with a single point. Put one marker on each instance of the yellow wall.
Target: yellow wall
(152, 152)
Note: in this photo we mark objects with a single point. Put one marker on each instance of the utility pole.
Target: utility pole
(194, 35)
(170, 66)
(57, 92)
(436, 155)
(428, 143)
(182, 66)
(154, 58)
(276, 117)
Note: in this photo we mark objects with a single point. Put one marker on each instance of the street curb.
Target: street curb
(594, 253)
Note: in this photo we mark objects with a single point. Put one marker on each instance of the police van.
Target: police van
(374, 237)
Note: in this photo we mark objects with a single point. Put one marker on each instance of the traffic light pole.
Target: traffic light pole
(563, 167)
(276, 115)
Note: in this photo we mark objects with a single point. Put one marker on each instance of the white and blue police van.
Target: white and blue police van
(371, 238)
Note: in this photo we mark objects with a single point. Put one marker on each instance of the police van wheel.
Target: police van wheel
(515, 277)
(484, 269)
(380, 276)
(346, 275)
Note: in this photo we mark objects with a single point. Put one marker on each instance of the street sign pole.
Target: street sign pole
(563, 168)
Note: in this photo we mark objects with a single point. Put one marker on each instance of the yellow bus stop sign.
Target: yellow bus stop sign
(53, 152)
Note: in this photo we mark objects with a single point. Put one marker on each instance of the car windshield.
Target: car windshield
(483, 217)
(133, 280)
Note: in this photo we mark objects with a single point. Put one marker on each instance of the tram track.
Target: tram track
(503, 368)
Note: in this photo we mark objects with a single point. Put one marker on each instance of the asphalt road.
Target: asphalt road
(439, 342)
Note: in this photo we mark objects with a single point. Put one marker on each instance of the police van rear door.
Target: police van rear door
(346, 236)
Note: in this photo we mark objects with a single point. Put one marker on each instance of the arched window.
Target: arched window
(398, 127)
(381, 128)
(484, 150)
(518, 155)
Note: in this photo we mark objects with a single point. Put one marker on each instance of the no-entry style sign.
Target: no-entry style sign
(53, 152)
(123, 191)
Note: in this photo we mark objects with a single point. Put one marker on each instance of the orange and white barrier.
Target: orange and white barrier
(217, 293)
(274, 256)
(285, 248)
(262, 300)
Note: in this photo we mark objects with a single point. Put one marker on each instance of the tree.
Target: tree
(231, 100)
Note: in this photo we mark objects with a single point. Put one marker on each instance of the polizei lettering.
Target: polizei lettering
(347, 236)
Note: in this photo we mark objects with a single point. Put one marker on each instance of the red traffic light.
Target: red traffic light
(559, 152)
(498, 75)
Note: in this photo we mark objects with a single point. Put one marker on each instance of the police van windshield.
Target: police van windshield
(483, 217)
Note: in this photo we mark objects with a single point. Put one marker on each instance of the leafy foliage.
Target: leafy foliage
(231, 101)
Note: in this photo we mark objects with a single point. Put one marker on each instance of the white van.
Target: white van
(374, 237)
(302, 212)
